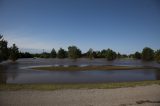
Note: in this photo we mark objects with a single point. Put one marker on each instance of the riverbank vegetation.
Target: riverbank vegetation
(6, 52)
(44, 87)
(84, 68)
(74, 52)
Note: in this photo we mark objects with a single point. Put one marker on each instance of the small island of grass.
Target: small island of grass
(89, 68)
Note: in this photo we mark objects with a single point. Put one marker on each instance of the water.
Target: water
(20, 73)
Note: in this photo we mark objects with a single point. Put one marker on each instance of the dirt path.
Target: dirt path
(136, 96)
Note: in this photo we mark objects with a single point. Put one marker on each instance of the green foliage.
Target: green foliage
(157, 56)
(103, 53)
(97, 54)
(137, 55)
(124, 56)
(4, 54)
(74, 52)
(25, 55)
(53, 53)
(90, 53)
(61, 53)
(147, 54)
(14, 53)
(109, 54)
(45, 55)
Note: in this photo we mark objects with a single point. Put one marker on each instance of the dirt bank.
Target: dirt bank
(132, 96)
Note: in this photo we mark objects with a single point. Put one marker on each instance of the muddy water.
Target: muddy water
(19, 72)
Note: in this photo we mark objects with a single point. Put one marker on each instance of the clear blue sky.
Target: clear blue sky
(125, 26)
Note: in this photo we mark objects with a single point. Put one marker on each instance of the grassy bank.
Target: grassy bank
(44, 87)
(76, 68)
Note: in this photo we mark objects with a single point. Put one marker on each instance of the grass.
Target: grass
(52, 87)
(76, 68)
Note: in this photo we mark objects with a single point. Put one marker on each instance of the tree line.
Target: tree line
(74, 52)
(8, 53)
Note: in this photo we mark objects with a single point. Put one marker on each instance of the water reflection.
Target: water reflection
(3, 76)
(8, 71)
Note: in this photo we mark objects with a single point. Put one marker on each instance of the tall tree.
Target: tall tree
(14, 53)
(147, 54)
(4, 54)
(53, 53)
(61, 53)
(74, 52)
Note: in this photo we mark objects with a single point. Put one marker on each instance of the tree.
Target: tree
(74, 52)
(90, 53)
(103, 53)
(53, 53)
(137, 55)
(110, 54)
(14, 53)
(25, 55)
(45, 55)
(147, 54)
(61, 53)
(157, 56)
(3, 49)
(124, 56)
(97, 54)
(37, 55)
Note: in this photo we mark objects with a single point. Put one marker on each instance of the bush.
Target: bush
(147, 54)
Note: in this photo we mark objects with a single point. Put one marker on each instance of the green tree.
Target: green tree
(124, 56)
(25, 55)
(53, 53)
(147, 54)
(157, 56)
(90, 53)
(45, 55)
(97, 54)
(61, 53)
(110, 55)
(74, 52)
(4, 54)
(137, 55)
(14, 53)
(103, 53)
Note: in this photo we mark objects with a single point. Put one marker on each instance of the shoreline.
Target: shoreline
(135, 96)
(90, 68)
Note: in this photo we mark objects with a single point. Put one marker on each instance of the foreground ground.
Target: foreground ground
(131, 96)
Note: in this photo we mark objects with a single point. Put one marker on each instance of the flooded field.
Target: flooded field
(20, 73)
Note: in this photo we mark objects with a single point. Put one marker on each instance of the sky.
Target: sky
(125, 26)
